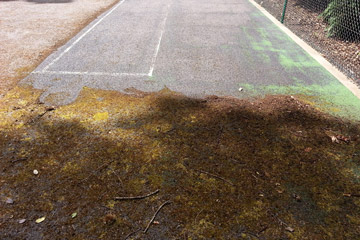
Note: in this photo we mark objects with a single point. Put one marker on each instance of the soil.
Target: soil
(271, 168)
(302, 17)
(30, 30)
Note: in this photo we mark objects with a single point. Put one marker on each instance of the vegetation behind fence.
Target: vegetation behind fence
(331, 26)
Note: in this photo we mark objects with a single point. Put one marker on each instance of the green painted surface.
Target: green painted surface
(272, 50)
(333, 98)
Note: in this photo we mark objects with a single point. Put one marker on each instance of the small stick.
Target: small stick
(19, 160)
(117, 176)
(156, 213)
(215, 176)
(282, 222)
(137, 197)
(198, 215)
(105, 165)
(351, 195)
(262, 230)
(241, 163)
(252, 234)
(132, 233)
(48, 109)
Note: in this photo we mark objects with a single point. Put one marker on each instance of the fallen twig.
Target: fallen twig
(15, 161)
(19, 160)
(262, 230)
(351, 195)
(132, 233)
(198, 215)
(241, 163)
(105, 165)
(156, 213)
(137, 197)
(117, 176)
(48, 109)
(282, 222)
(252, 234)
(215, 176)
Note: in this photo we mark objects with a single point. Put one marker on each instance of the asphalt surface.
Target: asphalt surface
(203, 47)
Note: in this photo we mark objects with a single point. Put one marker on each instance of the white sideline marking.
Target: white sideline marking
(82, 36)
(312, 52)
(153, 60)
(90, 73)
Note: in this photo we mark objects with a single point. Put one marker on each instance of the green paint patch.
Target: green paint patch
(299, 62)
(288, 55)
(225, 46)
(332, 98)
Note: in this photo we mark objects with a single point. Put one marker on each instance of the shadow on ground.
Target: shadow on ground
(232, 169)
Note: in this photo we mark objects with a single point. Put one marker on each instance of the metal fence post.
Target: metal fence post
(284, 11)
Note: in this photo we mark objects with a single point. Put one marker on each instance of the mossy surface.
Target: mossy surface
(233, 169)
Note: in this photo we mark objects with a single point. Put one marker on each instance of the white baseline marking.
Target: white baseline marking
(90, 73)
(83, 35)
(313, 53)
(162, 29)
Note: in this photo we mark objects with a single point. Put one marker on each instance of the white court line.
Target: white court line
(90, 73)
(153, 60)
(312, 52)
(83, 35)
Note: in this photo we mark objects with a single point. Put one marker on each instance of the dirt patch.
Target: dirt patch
(271, 168)
(302, 17)
(31, 30)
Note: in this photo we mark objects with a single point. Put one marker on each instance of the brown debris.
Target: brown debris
(257, 160)
(109, 219)
(138, 197)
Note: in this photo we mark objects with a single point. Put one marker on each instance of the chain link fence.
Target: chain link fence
(332, 27)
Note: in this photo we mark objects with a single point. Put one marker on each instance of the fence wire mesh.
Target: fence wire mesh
(330, 26)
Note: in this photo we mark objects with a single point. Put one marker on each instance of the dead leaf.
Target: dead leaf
(296, 197)
(22, 220)
(39, 220)
(280, 191)
(9, 201)
(343, 138)
(308, 149)
(110, 218)
(289, 229)
(334, 139)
